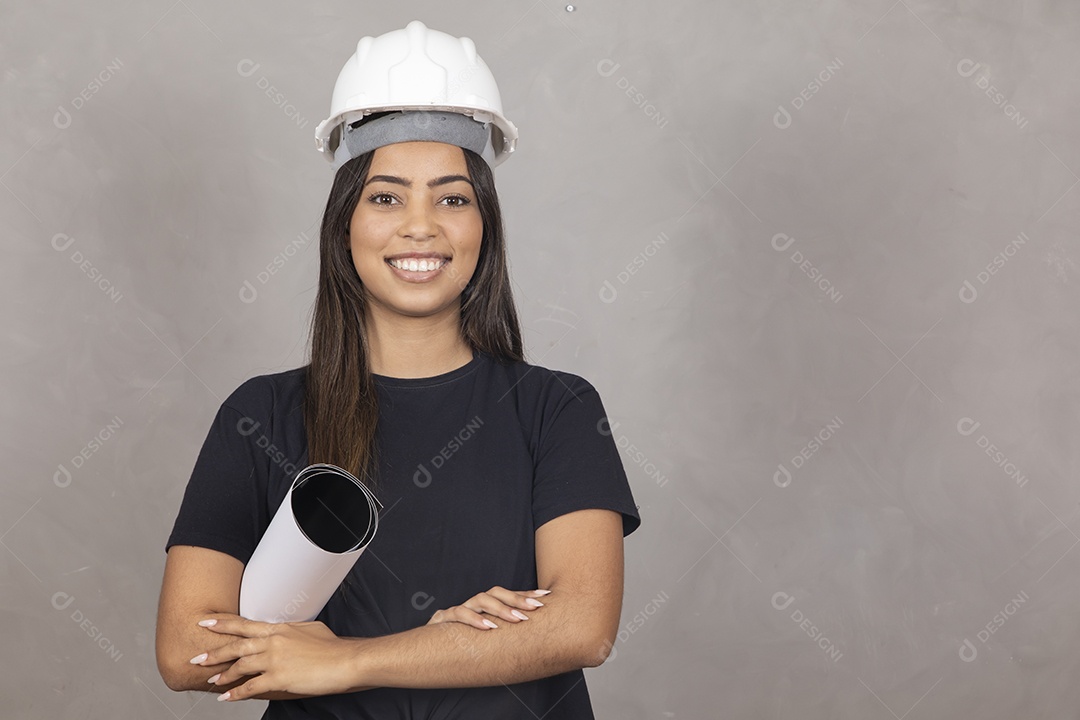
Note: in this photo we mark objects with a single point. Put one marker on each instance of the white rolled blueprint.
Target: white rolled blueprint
(319, 531)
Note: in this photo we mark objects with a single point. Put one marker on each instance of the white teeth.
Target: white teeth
(414, 265)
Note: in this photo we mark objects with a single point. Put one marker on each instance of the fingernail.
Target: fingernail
(490, 624)
(518, 614)
(214, 678)
(198, 659)
(208, 623)
(223, 696)
(541, 592)
(534, 603)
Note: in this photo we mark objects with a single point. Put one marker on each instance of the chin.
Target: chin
(422, 309)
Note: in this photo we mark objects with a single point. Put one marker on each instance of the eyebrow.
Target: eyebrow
(444, 180)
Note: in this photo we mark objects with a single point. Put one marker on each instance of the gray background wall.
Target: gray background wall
(818, 258)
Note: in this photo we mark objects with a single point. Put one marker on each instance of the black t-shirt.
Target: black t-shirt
(471, 463)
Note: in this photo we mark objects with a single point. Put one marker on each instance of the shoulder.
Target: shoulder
(263, 395)
(542, 393)
(526, 379)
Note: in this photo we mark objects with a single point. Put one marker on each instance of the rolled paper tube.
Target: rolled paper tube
(320, 530)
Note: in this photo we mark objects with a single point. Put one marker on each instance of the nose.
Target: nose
(419, 222)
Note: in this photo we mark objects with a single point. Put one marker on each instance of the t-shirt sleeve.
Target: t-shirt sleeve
(220, 506)
(577, 465)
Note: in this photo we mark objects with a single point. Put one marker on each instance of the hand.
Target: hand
(304, 658)
(497, 602)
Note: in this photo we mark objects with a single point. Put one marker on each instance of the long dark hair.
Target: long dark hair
(341, 406)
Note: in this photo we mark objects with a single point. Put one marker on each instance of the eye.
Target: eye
(374, 198)
(460, 200)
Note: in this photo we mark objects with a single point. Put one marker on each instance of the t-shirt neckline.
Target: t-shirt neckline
(456, 374)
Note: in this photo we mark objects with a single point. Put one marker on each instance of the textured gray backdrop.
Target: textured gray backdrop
(816, 257)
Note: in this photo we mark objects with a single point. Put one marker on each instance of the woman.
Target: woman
(494, 473)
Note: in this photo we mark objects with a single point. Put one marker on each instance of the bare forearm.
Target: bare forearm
(275, 695)
(446, 655)
(180, 644)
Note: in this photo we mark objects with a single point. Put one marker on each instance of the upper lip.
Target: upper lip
(418, 255)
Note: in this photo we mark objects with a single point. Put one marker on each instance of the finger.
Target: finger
(244, 667)
(441, 616)
(484, 603)
(532, 595)
(533, 592)
(255, 686)
(462, 615)
(508, 605)
(513, 599)
(230, 652)
(239, 626)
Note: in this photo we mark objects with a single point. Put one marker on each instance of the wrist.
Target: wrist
(360, 665)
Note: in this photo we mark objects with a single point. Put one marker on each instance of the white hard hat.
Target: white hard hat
(416, 69)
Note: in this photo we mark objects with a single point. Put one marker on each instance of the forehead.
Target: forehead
(419, 158)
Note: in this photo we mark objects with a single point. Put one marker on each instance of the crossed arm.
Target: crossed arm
(579, 557)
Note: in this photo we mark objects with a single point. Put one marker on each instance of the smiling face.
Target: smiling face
(416, 232)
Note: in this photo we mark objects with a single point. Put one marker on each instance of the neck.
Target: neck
(415, 347)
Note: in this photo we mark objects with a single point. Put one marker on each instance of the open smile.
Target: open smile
(417, 269)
